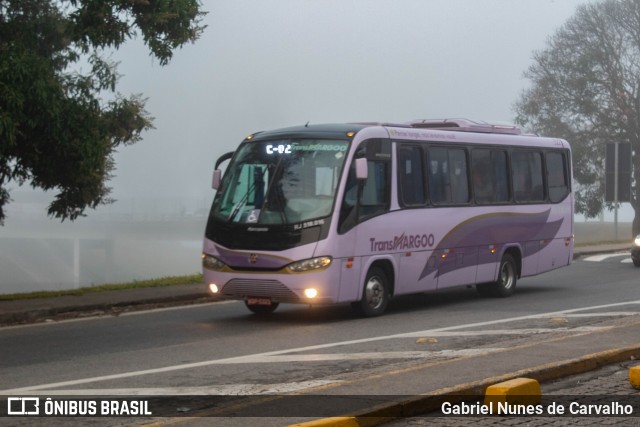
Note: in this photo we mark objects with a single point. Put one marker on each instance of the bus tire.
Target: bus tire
(375, 295)
(262, 309)
(507, 277)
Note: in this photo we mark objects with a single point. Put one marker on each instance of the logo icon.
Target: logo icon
(23, 406)
(253, 258)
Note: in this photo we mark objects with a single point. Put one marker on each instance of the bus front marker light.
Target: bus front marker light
(213, 288)
(310, 293)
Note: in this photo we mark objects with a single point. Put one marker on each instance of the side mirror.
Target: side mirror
(217, 178)
(362, 170)
(217, 173)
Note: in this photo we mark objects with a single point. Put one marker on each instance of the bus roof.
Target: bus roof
(331, 131)
(340, 130)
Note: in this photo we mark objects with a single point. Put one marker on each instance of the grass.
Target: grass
(151, 283)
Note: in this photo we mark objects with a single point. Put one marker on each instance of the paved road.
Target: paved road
(448, 337)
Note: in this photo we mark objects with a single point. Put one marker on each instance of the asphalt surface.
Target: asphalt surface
(555, 359)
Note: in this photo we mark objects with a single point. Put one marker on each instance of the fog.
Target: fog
(263, 65)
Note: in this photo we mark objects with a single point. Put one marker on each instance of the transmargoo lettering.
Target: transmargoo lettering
(403, 242)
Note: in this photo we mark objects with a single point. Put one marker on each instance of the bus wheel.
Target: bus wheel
(375, 295)
(262, 309)
(507, 278)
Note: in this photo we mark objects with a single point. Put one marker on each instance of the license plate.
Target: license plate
(258, 301)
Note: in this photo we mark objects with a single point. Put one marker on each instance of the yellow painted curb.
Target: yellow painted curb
(634, 376)
(330, 422)
(518, 391)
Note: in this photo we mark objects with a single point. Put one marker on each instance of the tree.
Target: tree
(585, 87)
(59, 127)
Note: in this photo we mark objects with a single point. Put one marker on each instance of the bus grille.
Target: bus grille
(240, 288)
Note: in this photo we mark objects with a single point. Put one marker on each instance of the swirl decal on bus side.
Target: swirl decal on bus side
(494, 229)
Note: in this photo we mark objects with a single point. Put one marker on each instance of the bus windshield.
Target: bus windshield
(280, 181)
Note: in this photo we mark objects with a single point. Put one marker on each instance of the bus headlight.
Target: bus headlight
(212, 263)
(310, 264)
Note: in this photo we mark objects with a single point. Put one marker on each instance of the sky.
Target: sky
(262, 65)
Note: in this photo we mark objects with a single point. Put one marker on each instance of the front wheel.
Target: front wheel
(507, 277)
(636, 262)
(375, 295)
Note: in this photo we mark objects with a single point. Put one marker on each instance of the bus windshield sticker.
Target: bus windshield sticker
(253, 215)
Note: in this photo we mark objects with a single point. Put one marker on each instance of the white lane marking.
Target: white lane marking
(180, 307)
(222, 389)
(322, 357)
(578, 329)
(241, 359)
(605, 314)
(627, 261)
(598, 258)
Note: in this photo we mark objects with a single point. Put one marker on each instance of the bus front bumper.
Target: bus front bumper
(317, 287)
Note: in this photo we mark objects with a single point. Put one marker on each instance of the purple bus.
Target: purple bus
(361, 212)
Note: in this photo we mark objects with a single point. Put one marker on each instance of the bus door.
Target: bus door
(361, 214)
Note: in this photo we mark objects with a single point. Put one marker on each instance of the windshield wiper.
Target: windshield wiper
(277, 193)
(244, 199)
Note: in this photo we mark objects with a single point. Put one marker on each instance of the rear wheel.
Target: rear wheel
(507, 277)
(262, 309)
(375, 295)
(636, 262)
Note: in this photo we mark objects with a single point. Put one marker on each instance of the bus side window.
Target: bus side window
(527, 176)
(484, 190)
(500, 169)
(490, 176)
(348, 206)
(459, 179)
(375, 191)
(411, 176)
(556, 176)
(436, 182)
(448, 179)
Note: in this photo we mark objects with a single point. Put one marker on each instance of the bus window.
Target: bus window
(527, 176)
(448, 180)
(411, 176)
(490, 177)
(374, 192)
(557, 177)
